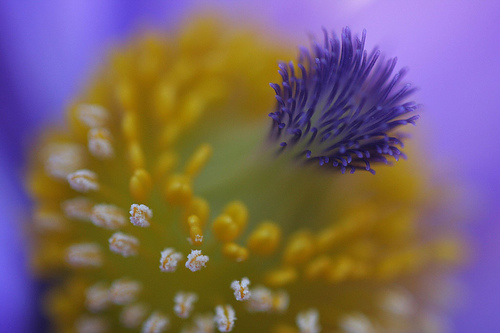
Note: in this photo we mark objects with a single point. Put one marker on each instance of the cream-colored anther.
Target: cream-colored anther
(123, 244)
(140, 185)
(84, 255)
(235, 252)
(124, 291)
(83, 181)
(184, 303)
(108, 216)
(224, 318)
(61, 159)
(356, 323)
(241, 291)
(47, 221)
(78, 208)
(100, 143)
(92, 115)
(198, 160)
(133, 315)
(308, 321)
(265, 239)
(140, 215)
(196, 261)
(261, 300)
(299, 249)
(398, 302)
(178, 190)
(169, 260)
(97, 297)
(281, 300)
(195, 232)
(88, 324)
(203, 324)
(156, 323)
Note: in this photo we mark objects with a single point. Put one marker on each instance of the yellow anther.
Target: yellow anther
(191, 110)
(164, 100)
(199, 207)
(239, 213)
(449, 251)
(281, 277)
(265, 239)
(318, 268)
(198, 160)
(125, 94)
(100, 143)
(328, 238)
(195, 232)
(129, 126)
(169, 134)
(178, 190)
(225, 228)
(136, 155)
(235, 252)
(299, 249)
(165, 163)
(140, 185)
(340, 270)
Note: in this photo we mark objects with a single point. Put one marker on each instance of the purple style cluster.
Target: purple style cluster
(342, 109)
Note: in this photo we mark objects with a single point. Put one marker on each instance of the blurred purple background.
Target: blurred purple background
(48, 49)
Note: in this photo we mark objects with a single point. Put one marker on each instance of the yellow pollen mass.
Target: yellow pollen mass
(160, 201)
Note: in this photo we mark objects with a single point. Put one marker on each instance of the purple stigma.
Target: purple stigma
(341, 105)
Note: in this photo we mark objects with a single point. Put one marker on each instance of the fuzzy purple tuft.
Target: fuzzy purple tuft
(339, 107)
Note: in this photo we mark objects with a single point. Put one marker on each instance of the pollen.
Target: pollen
(196, 261)
(88, 324)
(61, 159)
(184, 304)
(225, 318)
(99, 143)
(108, 216)
(308, 321)
(92, 116)
(241, 291)
(133, 315)
(83, 181)
(78, 208)
(97, 297)
(140, 215)
(356, 323)
(124, 291)
(84, 255)
(123, 244)
(156, 323)
(169, 260)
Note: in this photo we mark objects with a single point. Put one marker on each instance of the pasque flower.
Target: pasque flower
(163, 205)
